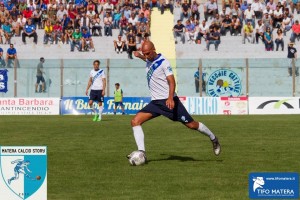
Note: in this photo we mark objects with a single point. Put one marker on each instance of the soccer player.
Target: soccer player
(164, 100)
(97, 83)
(118, 93)
(21, 167)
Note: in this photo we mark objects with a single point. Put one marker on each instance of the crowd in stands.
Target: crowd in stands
(251, 20)
(77, 22)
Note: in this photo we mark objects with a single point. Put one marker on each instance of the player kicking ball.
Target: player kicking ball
(164, 100)
(97, 83)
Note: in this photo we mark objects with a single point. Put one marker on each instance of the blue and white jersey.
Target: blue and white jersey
(157, 72)
(97, 76)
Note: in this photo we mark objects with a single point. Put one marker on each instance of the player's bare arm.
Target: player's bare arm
(171, 81)
(88, 86)
(139, 55)
(104, 86)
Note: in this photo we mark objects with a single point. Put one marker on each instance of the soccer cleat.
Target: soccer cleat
(216, 146)
(99, 118)
(95, 118)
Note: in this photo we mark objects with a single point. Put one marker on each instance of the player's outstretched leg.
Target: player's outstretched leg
(204, 130)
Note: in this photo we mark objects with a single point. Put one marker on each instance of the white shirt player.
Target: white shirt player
(157, 72)
(97, 76)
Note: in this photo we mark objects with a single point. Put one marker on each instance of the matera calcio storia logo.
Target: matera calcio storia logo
(24, 172)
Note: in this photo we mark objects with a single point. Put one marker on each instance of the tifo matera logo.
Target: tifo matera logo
(258, 183)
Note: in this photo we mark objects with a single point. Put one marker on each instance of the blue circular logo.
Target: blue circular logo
(223, 83)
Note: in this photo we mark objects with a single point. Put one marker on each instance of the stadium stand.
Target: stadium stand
(230, 47)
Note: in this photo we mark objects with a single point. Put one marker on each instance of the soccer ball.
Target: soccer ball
(137, 158)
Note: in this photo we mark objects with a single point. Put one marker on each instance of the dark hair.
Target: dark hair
(96, 61)
(42, 59)
(117, 84)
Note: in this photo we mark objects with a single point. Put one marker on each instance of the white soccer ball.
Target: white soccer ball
(137, 158)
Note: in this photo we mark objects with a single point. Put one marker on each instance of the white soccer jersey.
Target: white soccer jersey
(157, 72)
(97, 76)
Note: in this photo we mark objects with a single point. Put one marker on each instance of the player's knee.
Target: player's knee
(135, 122)
(192, 125)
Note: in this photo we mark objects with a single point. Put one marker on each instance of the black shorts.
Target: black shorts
(40, 79)
(119, 103)
(96, 95)
(159, 107)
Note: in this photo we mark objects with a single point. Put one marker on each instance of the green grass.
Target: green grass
(86, 160)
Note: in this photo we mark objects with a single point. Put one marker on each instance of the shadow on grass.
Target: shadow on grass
(184, 159)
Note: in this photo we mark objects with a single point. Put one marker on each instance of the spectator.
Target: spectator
(48, 33)
(268, 39)
(269, 11)
(295, 4)
(44, 18)
(7, 32)
(58, 32)
(133, 19)
(108, 8)
(272, 5)
(260, 29)
(11, 56)
(142, 32)
(84, 21)
(279, 40)
(116, 18)
(210, 9)
(257, 7)
(131, 47)
(286, 24)
(22, 6)
(72, 12)
(27, 13)
(37, 17)
(14, 12)
(65, 21)
(249, 15)
(123, 25)
(236, 11)
(142, 19)
(292, 55)
(29, 31)
(267, 21)
(190, 31)
(96, 25)
(127, 12)
(185, 10)
(69, 32)
(235, 26)
(217, 21)
(76, 40)
(131, 33)
(61, 12)
(15, 27)
(248, 32)
(213, 38)
(119, 44)
(108, 25)
(178, 31)
(203, 30)
(295, 31)
(195, 10)
(2, 61)
(87, 41)
(226, 25)
(277, 17)
(166, 4)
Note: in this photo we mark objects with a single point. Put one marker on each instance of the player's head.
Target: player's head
(117, 85)
(42, 59)
(148, 50)
(96, 64)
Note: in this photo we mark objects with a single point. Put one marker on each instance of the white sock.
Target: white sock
(93, 109)
(139, 137)
(100, 110)
(203, 129)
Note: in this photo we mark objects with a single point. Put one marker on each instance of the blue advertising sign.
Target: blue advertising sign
(3, 80)
(271, 185)
(80, 106)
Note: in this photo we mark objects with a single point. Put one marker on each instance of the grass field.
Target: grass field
(86, 160)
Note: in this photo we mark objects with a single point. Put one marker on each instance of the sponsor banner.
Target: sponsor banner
(234, 105)
(23, 172)
(80, 106)
(29, 106)
(202, 105)
(271, 185)
(224, 83)
(3, 80)
(274, 105)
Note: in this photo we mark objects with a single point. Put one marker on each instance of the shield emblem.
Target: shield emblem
(24, 172)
